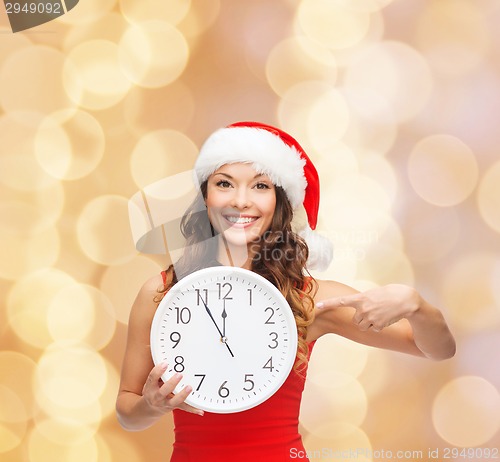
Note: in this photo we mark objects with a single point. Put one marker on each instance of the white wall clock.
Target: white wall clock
(230, 333)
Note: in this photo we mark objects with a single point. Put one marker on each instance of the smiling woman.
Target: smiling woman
(256, 183)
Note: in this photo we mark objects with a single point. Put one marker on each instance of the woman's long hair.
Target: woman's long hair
(280, 257)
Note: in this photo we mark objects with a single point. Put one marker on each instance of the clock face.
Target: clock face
(230, 333)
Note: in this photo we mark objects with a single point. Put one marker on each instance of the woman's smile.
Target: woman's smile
(241, 221)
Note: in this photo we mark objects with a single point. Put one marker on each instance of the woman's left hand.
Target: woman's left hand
(379, 307)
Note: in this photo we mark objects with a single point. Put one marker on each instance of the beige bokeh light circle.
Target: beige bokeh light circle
(396, 72)
(31, 80)
(332, 24)
(25, 250)
(299, 59)
(386, 263)
(69, 145)
(70, 375)
(431, 232)
(488, 197)
(338, 398)
(65, 431)
(372, 124)
(11, 42)
(103, 230)
(160, 154)
(329, 118)
(121, 446)
(17, 375)
(364, 5)
(468, 291)
(16, 398)
(340, 354)
(92, 76)
(142, 53)
(343, 442)
(294, 108)
(90, 318)
(121, 283)
(13, 420)
(442, 170)
(23, 217)
(28, 302)
(461, 43)
(466, 411)
(19, 169)
(172, 11)
(42, 449)
(144, 109)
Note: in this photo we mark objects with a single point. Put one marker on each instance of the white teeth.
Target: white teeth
(240, 220)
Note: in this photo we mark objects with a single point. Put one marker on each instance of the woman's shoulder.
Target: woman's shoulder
(329, 289)
(150, 294)
(158, 282)
(153, 284)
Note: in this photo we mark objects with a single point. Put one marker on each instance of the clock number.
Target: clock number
(201, 381)
(183, 315)
(179, 364)
(270, 316)
(223, 390)
(229, 289)
(251, 382)
(274, 340)
(176, 338)
(250, 296)
(199, 297)
(269, 364)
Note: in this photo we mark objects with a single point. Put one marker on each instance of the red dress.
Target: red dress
(265, 433)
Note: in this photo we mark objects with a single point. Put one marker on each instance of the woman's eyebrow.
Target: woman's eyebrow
(224, 174)
(231, 178)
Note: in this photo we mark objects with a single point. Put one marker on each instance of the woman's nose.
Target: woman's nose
(241, 198)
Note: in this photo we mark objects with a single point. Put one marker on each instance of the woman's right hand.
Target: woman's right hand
(159, 395)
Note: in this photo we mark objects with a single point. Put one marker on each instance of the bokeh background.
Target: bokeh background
(397, 103)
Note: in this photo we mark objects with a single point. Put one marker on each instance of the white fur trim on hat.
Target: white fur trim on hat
(320, 249)
(264, 150)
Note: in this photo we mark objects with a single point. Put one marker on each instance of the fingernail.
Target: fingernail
(320, 305)
(164, 364)
(177, 376)
(200, 413)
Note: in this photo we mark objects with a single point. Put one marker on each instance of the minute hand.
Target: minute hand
(213, 320)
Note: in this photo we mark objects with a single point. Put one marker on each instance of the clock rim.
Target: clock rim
(154, 345)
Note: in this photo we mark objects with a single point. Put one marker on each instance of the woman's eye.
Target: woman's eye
(223, 184)
(262, 186)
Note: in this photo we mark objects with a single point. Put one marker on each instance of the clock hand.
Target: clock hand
(224, 316)
(213, 320)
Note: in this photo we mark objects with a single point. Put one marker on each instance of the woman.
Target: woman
(261, 194)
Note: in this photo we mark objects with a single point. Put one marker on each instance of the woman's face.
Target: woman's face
(240, 202)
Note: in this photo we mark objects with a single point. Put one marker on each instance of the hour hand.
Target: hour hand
(223, 339)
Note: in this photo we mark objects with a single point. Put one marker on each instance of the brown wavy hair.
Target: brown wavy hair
(286, 268)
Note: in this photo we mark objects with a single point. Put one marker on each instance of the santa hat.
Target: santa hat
(272, 152)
